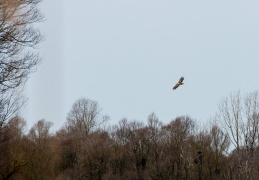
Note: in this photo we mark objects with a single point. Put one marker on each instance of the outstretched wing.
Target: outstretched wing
(179, 83)
(180, 80)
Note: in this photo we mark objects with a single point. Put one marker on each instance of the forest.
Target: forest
(88, 147)
(83, 149)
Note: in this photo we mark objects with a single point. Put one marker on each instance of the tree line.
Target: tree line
(86, 147)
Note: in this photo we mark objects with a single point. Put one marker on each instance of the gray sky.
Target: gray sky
(128, 54)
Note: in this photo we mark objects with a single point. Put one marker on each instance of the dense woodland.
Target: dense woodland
(128, 150)
(87, 147)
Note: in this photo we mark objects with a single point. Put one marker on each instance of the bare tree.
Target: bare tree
(18, 56)
(9, 105)
(41, 142)
(85, 115)
(251, 125)
(219, 146)
(177, 134)
(17, 41)
(230, 109)
(40, 132)
(154, 128)
(219, 141)
(240, 119)
(120, 159)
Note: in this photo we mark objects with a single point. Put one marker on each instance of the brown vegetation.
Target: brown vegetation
(129, 150)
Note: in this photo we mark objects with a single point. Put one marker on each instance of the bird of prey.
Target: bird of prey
(180, 82)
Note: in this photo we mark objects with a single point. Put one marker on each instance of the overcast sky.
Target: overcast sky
(128, 54)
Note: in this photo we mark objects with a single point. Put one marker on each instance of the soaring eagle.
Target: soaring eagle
(180, 82)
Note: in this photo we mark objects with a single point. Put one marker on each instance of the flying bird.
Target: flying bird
(180, 82)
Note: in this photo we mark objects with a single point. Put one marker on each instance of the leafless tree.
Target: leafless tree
(240, 119)
(85, 115)
(41, 141)
(177, 134)
(251, 125)
(219, 146)
(18, 56)
(219, 141)
(154, 128)
(10, 104)
(18, 38)
(230, 111)
(40, 131)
